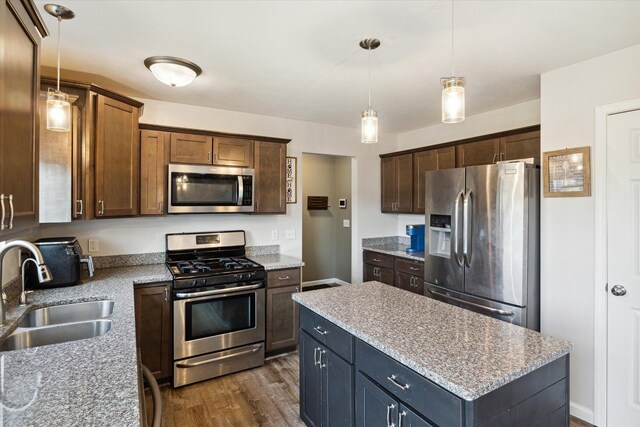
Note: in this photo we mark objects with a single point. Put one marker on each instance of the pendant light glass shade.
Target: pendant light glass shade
(58, 111)
(58, 106)
(369, 127)
(452, 99)
(175, 72)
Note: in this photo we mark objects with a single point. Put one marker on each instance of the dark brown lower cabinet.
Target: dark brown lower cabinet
(282, 323)
(409, 283)
(153, 326)
(380, 274)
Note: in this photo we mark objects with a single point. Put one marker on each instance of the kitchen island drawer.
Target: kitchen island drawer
(334, 337)
(287, 277)
(410, 266)
(430, 400)
(376, 258)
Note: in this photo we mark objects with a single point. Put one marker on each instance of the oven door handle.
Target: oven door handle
(185, 295)
(217, 359)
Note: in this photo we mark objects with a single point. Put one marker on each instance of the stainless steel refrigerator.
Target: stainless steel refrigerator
(482, 243)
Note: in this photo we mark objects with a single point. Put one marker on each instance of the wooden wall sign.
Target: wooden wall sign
(291, 182)
(567, 173)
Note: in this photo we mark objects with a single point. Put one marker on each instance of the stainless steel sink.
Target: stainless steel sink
(67, 313)
(23, 338)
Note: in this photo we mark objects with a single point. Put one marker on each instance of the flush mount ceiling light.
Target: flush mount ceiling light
(452, 90)
(172, 71)
(369, 117)
(58, 106)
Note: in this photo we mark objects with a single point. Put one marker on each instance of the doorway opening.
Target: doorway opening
(326, 230)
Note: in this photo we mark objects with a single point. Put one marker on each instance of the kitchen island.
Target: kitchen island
(371, 354)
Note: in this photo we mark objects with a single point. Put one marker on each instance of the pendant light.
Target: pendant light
(58, 106)
(369, 117)
(175, 72)
(452, 90)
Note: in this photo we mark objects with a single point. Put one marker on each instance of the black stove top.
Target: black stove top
(210, 259)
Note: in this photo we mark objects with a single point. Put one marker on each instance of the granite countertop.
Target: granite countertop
(85, 382)
(467, 353)
(276, 261)
(395, 249)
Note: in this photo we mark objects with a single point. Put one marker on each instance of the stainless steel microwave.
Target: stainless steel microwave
(209, 189)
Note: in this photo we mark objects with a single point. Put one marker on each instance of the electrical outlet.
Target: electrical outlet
(274, 234)
(346, 223)
(94, 245)
(291, 234)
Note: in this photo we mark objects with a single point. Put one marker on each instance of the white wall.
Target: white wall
(139, 235)
(512, 117)
(568, 99)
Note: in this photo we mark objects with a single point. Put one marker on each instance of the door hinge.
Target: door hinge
(606, 287)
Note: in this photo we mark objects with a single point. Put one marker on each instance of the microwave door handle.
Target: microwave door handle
(240, 190)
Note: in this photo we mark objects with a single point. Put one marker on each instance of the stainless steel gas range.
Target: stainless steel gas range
(218, 305)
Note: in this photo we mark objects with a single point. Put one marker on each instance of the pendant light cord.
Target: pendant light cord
(452, 44)
(369, 75)
(59, 20)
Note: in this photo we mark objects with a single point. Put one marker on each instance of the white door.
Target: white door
(623, 270)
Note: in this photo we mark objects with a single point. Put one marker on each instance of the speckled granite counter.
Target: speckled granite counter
(276, 261)
(395, 249)
(464, 352)
(80, 383)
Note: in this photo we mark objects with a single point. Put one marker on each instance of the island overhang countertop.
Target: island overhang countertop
(466, 353)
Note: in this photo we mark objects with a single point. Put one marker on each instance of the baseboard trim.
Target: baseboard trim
(324, 282)
(582, 412)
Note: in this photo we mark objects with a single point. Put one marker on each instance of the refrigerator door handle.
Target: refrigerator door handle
(492, 310)
(467, 220)
(456, 229)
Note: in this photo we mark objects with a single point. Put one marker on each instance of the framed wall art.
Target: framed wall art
(291, 180)
(567, 173)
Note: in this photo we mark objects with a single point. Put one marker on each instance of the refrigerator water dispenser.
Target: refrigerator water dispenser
(440, 235)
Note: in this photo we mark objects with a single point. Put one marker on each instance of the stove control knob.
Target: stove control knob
(193, 282)
(238, 276)
(202, 282)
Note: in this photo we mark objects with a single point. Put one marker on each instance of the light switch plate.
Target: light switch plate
(291, 234)
(274, 234)
(346, 223)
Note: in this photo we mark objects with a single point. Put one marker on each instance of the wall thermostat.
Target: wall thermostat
(342, 203)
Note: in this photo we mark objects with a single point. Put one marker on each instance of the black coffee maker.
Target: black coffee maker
(63, 256)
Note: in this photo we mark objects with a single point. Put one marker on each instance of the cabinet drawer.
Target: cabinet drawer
(378, 259)
(429, 399)
(288, 277)
(410, 266)
(329, 334)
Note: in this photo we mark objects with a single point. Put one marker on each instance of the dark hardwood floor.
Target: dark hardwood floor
(265, 396)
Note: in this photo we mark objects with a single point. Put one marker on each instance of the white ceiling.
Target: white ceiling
(301, 59)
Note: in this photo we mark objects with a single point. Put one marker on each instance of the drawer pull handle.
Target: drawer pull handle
(414, 269)
(393, 380)
(376, 260)
(389, 422)
(400, 416)
(284, 278)
(319, 330)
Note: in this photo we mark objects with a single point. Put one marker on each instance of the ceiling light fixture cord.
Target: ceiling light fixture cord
(59, 20)
(369, 75)
(452, 44)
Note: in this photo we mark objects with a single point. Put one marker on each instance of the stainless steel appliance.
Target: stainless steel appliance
(64, 257)
(482, 240)
(218, 305)
(209, 189)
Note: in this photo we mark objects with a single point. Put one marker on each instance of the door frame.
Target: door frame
(600, 297)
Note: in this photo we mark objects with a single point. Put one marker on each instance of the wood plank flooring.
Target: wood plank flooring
(266, 396)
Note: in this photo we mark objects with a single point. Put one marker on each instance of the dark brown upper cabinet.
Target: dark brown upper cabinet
(20, 34)
(191, 148)
(270, 181)
(397, 183)
(117, 158)
(483, 152)
(232, 152)
(520, 146)
(429, 160)
(154, 155)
